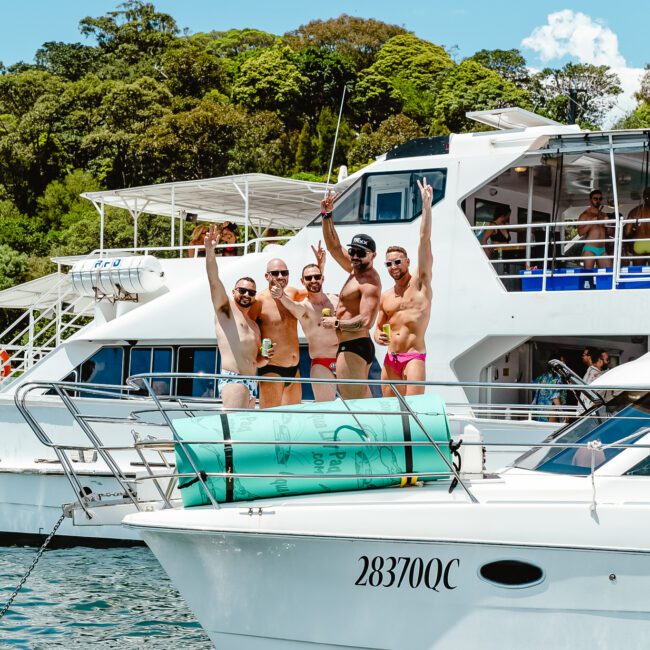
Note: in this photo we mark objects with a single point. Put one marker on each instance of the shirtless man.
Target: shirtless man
(406, 308)
(237, 333)
(280, 325)
(323, 343)
(595, 232)
(357, 307)
(639, 230)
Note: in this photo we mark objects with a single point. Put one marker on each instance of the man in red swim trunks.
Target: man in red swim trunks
(323, 343)
(406, 308)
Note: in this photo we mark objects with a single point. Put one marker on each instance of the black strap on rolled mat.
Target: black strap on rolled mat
(201, 477)
(227, 452)
(457, 462)
(408, 449)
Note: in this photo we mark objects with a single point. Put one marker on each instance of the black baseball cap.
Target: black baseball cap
(363, 241)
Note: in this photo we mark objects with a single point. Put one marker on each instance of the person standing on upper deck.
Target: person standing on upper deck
(406, 307)
(237, 333)
(323, 343)
(593, 253)
(358, 304)
(280, 325)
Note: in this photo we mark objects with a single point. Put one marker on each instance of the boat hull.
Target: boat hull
(268, 591)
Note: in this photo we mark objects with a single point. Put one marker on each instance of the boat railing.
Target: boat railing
(154, 442)
(254, 245)
(50, 319)
(548, 256)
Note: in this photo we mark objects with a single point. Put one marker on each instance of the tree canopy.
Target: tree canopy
(140, 101)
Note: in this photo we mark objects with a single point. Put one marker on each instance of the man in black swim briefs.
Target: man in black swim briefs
(358, 304)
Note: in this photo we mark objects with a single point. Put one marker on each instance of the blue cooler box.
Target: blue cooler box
(531, 279)
(604, 278)
(639, 277)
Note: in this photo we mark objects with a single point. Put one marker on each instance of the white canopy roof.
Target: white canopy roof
(263, 199)
(43, 293)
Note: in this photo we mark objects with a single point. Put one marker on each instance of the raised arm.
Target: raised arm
(217, 290)
(332, 241)
(296, 309)
(425, 254)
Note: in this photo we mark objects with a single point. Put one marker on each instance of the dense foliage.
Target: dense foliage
(142, 102)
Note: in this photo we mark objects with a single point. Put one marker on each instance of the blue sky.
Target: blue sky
(469, 24)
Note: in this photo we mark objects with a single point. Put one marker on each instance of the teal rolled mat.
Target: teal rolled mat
(322, 462)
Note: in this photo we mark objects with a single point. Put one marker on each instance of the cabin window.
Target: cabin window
(198, 360)
(106, 366)
(388, 197)
(146, 360)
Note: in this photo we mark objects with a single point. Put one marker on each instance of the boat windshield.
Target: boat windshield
(623, 416)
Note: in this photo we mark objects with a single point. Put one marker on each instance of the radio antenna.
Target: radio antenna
(336, 137)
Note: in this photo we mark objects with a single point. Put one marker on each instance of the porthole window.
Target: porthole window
(511, 573)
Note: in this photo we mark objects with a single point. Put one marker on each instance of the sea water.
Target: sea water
(94, 598)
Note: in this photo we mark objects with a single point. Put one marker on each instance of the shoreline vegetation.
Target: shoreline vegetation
(149, 102)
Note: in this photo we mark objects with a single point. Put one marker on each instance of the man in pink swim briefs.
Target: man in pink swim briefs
(406, 308)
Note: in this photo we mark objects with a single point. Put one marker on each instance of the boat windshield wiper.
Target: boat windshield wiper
(568, 376)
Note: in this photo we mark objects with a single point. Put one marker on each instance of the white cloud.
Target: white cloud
(579, 37)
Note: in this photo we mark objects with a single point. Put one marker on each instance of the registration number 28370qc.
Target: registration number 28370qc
(412, 572)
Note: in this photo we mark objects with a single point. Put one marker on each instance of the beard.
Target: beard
(399, 274)
(313, 288)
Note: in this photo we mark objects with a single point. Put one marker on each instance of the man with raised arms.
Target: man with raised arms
(323, 343)
(357, 307)
(237, 333)
(406, 307)
(280, 325)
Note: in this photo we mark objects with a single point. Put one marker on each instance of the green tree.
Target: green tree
(594, 89)
(20, 232)
(375, 98)
(134, 29)
(68, 60)
(12, 267)
(306, 151)
(326, 73)
(413, 68)
(509, 64)
(189, 69)
(235, 42)
(270, 80)
(326, 131)
(356, 39)
(471, 87)
(392, 132)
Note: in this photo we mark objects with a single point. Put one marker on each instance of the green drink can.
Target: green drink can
(266, 346)
(386, 328)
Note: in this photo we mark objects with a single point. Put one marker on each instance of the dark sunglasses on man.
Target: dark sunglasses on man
(357, 252)
(312, 278)
(390, 263)
(281, 274)
(243, 291)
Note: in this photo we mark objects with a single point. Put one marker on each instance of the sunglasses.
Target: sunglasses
(281, 274)
(311, 278)
(357, 252)
(243, 291)
(390, 263)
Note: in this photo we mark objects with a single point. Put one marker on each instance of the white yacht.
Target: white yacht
(551, 552)
(501, 309)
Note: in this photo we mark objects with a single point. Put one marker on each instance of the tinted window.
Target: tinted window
(146, 359)
(104, 367)
(194, 360)
(387, 197)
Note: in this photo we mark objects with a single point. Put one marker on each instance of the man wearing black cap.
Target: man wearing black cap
(358, 304)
